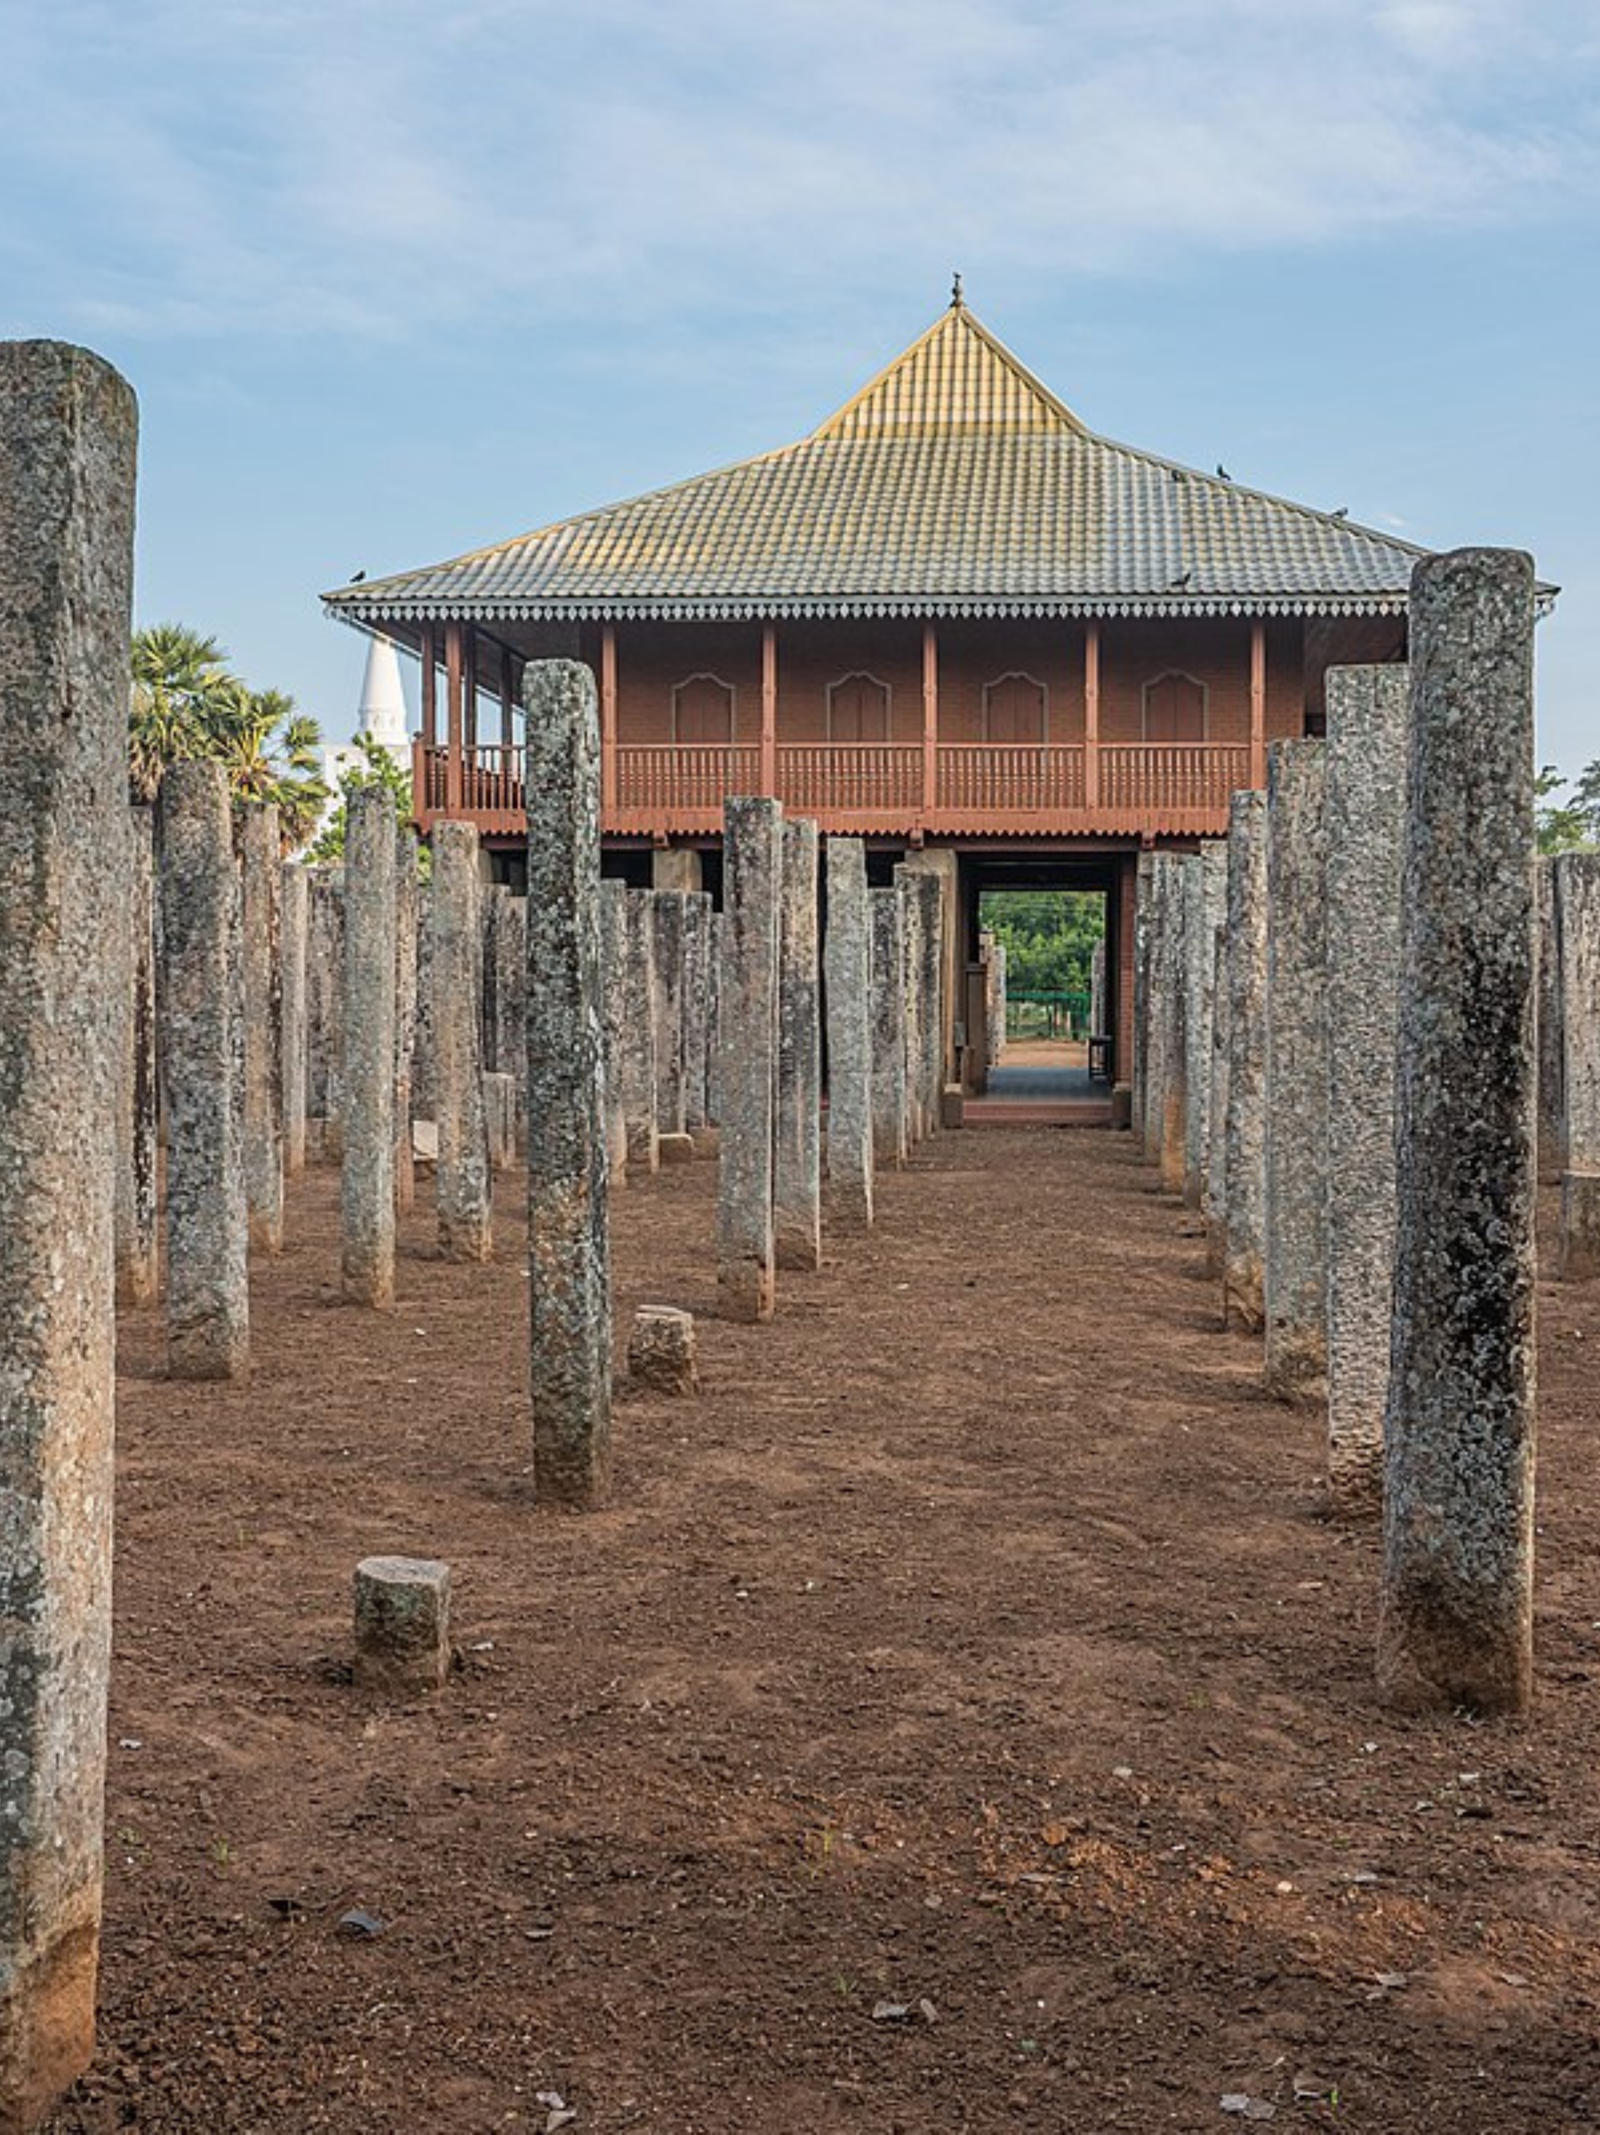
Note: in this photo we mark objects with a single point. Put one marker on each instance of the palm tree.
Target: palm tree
(180, 685)
(272, 753)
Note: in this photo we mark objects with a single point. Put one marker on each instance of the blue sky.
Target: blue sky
(396, 280)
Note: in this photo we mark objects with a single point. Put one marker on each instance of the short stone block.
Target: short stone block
(402, 1623)
(661, 1350)
(675, 1148)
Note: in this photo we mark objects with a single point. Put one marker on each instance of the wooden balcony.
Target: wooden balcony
(953, 789)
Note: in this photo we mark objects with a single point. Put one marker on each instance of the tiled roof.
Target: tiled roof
(953, 484)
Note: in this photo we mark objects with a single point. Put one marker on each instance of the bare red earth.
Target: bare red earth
(975, 1645)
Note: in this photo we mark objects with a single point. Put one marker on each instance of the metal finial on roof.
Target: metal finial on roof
(957, 300)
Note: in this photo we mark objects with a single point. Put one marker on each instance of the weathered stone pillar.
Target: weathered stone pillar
(505, 1004)
(929, 980)
(1456, 1621)
(1577, 902)
(407, 917)
(402, 1622)
(1171, 1013)
(137, 1105)
(696, 1009)
(67, 432)
(422, 1106)
(890, 1136)
(201, 1044)
(1364, 817)
(324, 995)
(1144, 897)
(294, 919)
(366, 1196)
(997, 1001)
(1097, 989)
(1205, 882)
(676, 868)
(912, 1008)
(569, 1254)
(797, 1133)
(639, 1035)
(1245, 1128)
(260, 870)
(666, 1009)
(1552, 1099)
(500, 1120)
(714, 1024)
(747, 1055)
(613, 972)
(1297, 1075)
(455, 968)
(848, 980)
(1215, 1198)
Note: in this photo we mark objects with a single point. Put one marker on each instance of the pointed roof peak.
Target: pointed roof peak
(954, 380)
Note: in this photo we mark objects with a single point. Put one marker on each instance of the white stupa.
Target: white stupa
(381, 713)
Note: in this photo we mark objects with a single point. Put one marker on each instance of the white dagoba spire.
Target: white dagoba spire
(383, 705)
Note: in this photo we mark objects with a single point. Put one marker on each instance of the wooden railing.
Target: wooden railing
(662, 790)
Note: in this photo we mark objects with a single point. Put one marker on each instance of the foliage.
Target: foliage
(379, 770)
(1572, 825)
(187, 705)
(1049, 936)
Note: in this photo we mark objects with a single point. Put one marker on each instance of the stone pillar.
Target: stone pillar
(911, 1014)
(747, 1055)
(569, 1254)
(1144, 894)
(202, 1045)
(997, 1001)
(714, 1023)
(666, 1009)
(407, 917)
(933, 890)
(324, 996)
(505, 973)
(422, 1105)
(1215, 1198)
(614, 972)
(1097, 989)
(260, 868)
(294, 920)
(696, 1009)
(402, 1618)
(1456, 1619)
(944, 975)
(1364, 816)
(1245, 1128)
(639, 1035)
(455, 968)
(797, 1133)
(1205, 883)
(137, 1279)
(1552, 1099)
(366, 1197)
(1297, 1075)
(848, 985)
(500, 1120)
(890, 1140)
(1577, 929)
(67, 431)
(676, 867)
(1162, 1138)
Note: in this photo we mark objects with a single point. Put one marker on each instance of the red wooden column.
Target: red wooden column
(508, 699)
(608, 722)
(469, 693)
(452, 714)
(930, 723)
(1258, 704)
(428, 741)
(769, 712)
(1091, 715)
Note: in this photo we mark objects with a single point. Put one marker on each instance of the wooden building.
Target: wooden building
(952, 619)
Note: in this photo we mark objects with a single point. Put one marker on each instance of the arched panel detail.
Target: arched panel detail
(858, 708)
(1176, 707)
(704, 710)
(1016, 708)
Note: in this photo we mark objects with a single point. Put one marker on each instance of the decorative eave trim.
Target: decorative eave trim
(487, 611)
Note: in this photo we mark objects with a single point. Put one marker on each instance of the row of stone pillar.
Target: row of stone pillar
(1335, 1015)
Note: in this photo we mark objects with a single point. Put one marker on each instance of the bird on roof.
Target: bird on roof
(1177, 584)
(1342, 513)
(356, 577)
(1223, 472)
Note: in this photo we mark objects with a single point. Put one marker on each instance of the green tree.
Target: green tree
(1049, 936)
(377, 769)
(1572, 825)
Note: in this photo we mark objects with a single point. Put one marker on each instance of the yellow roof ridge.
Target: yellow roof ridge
(956, 376)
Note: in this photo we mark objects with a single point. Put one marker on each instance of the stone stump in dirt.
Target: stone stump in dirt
(797, 1128)
(1455, 1624)
(890, 1135)
(455, 965)
(1577, 930)
(1205, 890)
(639, 1035)
(407, 917)
(661, 1350)
(202, 1055)
(68, 426)
(668, 925)
(569, 1251)
(366, 1186)
(1364, 818)
(402, 1624)
(847, 963)
(1552, 1100)
(752, 872)
(294, 920)
(613, 976)
(1244, 1129)
(260, 891)
(137, 1121)
(1297, 1075)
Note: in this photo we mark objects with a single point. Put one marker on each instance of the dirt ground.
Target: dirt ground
(962, 1721)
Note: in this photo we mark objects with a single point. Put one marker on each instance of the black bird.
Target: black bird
(1342, 513)
(1223, 472)
(356, 577)
(1178, 583)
